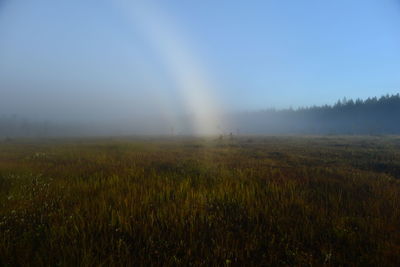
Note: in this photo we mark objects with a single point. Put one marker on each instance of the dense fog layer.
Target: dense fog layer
(370, 116)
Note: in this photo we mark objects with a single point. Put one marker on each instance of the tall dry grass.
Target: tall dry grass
(250, 201)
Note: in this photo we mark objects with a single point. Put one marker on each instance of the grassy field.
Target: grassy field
(250, 201)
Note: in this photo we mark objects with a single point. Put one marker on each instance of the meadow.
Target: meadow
(269, 201)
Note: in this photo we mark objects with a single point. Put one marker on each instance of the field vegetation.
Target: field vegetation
(281, 201)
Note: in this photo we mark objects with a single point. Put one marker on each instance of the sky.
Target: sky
(77, 58)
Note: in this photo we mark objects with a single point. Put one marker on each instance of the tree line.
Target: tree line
(370, 116)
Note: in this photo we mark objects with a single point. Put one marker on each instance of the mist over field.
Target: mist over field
(346, 117)
(199, 133)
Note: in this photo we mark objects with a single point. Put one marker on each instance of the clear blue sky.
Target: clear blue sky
(85, 56)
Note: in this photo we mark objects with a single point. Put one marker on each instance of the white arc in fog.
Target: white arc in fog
(193, 86)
